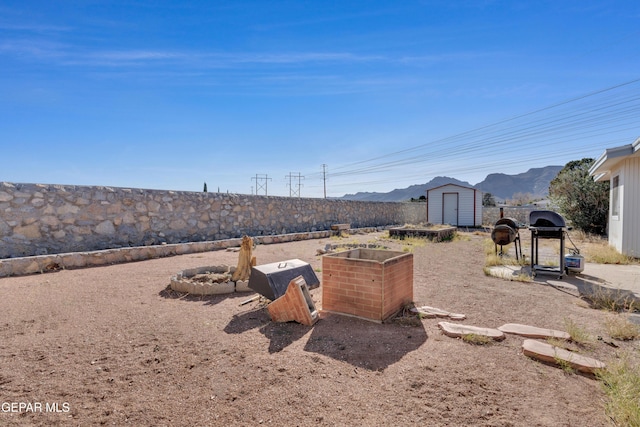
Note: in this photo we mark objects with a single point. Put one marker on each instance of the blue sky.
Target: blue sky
(386, 94)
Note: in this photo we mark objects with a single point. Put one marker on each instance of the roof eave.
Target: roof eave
(601, 168)
(605, 176)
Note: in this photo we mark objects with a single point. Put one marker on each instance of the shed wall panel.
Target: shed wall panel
(434, 214)
(469, 205)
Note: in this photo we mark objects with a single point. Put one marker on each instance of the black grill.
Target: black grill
(547, 225)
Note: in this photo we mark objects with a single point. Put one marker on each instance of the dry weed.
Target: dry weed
(621, 382)
(612, 299)
(476, 339)
(578, 334)
(620, 328)
(596, 249)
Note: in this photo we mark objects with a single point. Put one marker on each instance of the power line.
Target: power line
(611, 113)
(471, 133)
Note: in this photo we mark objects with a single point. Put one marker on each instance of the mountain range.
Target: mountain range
(535, 181)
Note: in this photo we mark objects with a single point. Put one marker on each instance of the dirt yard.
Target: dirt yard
(113, 346)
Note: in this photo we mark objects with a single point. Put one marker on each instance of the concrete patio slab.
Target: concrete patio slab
(623, 281)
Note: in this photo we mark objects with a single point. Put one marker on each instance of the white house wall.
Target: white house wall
(630, 207)
(615, 222)
(469, 210)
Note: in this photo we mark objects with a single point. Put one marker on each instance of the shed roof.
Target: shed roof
(601, 169)
(452, 184)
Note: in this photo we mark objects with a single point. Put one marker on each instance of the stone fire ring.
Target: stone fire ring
(184, 281)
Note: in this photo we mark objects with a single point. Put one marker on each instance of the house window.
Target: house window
(615, 196)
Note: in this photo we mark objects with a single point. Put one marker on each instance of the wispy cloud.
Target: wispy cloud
(321, 20)
(448, 57)
(135, 55)
(33, 49)
(259, 73)
(75, 55)
(266, 73)
(215, 60)
(33, 28)
(291, 58)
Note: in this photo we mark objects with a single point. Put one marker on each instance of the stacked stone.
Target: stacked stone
(43, 219)
(520, 213)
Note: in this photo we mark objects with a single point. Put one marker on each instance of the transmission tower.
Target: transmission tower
(296, 192)
(261, 183)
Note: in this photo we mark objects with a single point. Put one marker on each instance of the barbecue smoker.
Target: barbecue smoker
(504, 232)
(547, 225)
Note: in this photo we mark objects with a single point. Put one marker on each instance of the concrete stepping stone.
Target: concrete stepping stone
(552, 354)
(458, 331)
(432, 312)
(457, 316)
(533, 331)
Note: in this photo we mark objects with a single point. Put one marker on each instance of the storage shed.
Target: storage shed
(621, 167)
(454, 205)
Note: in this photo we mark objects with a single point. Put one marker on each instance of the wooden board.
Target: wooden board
(533, 331)
(552, 354)
(458, 331)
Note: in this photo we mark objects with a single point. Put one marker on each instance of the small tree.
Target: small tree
(488, 200)
(205, 187)
(579, 198)
(520, 199)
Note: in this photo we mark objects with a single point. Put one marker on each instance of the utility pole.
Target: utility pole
(292, 192)
(261, 183)
(324, 179)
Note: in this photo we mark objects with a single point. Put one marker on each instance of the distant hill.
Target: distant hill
(403, 194)
(534, 181)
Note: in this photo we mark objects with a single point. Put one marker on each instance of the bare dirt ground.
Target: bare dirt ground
(112, 346)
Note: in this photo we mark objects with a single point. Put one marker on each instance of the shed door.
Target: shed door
(450, 208)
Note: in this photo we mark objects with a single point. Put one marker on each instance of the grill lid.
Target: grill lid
(272, 280)
(508, 221)
(546, 219)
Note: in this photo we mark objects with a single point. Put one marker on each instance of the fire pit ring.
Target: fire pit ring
(208, 280)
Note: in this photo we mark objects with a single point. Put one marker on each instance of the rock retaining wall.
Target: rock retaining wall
(54, 262)
(44, 219)
(519, 213)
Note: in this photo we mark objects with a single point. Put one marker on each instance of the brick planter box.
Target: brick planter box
(367, 283)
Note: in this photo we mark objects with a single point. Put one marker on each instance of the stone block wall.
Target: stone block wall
(519, 213)
(40, 219)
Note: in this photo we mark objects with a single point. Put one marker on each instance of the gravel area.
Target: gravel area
(114, 346)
